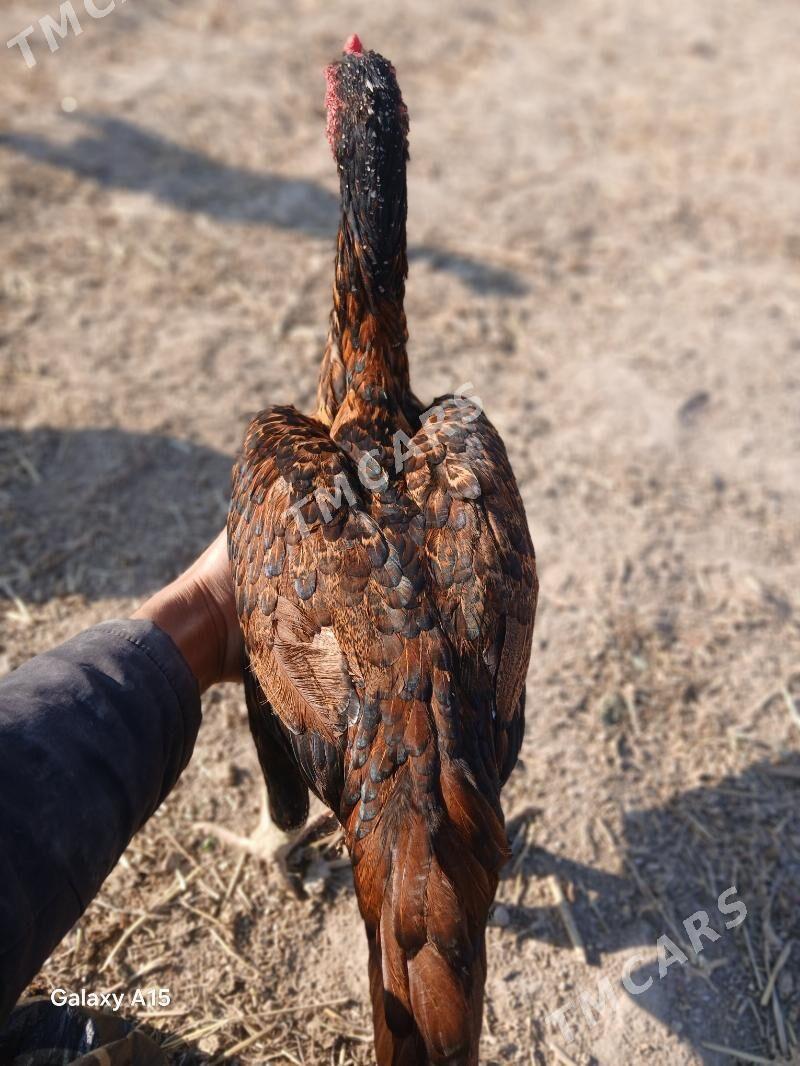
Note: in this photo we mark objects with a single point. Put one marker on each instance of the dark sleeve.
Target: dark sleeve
(93, 735)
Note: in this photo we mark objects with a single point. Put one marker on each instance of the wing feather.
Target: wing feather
(480, 556)
(295, 558)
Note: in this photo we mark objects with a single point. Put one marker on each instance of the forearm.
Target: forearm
(93, 735)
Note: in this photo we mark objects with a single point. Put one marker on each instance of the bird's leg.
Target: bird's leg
(267, 842)
(319, 870)
(275, 848)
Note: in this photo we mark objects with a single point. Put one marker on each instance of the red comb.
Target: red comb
(353, 45)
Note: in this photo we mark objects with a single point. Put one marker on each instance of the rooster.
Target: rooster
(386, 588)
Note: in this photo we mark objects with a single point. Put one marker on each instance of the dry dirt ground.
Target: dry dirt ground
(605, 233)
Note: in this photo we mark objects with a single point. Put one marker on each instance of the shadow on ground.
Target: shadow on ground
(119, 154)
(103, 512)
(679, 859)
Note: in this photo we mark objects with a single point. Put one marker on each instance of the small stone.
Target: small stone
(316, 877)
(704, 49)
(500, 917)
(691, 409)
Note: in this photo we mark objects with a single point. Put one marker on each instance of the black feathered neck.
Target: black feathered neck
(368, 131)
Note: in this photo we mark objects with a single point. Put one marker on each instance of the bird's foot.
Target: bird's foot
(283, 852)
(317, 871)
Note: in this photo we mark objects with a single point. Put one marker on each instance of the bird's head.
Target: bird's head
(364, 104)
(368, 134)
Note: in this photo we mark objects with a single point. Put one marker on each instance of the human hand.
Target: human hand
(197, 610)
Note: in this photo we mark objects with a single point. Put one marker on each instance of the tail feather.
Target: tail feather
(408, 886)
(398, 1042)
(425, 883)
(441, 1006)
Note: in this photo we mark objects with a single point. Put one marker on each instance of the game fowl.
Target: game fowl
(386, 588)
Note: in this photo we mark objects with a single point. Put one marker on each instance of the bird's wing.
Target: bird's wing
(297, 554)
(479, 556)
